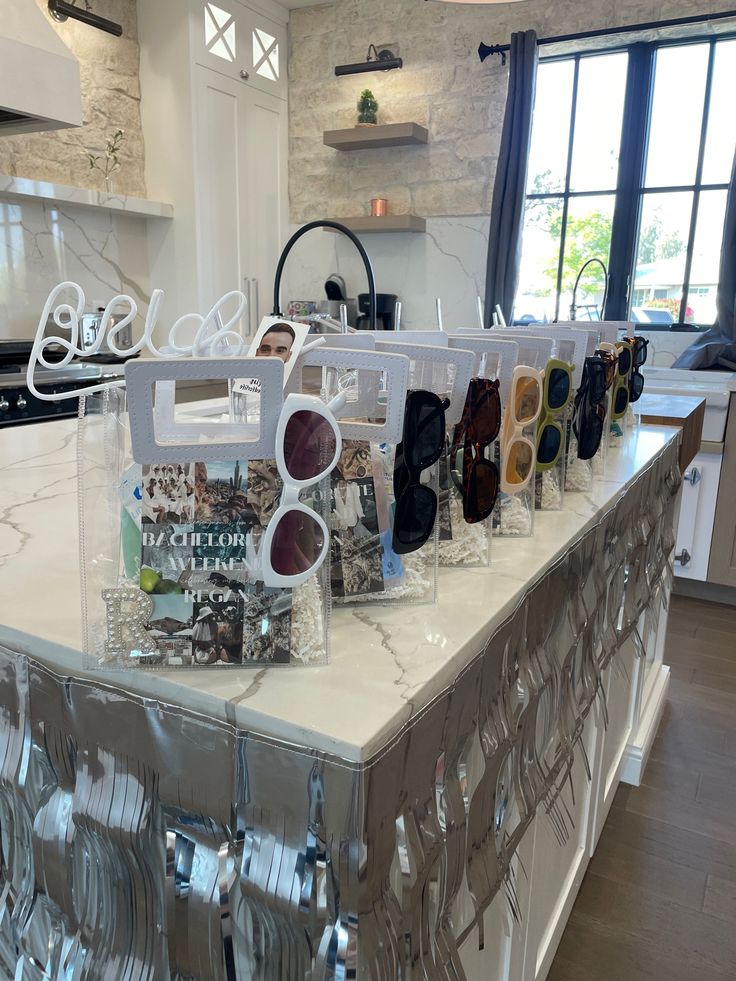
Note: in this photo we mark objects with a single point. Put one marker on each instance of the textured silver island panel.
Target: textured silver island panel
(142, 841)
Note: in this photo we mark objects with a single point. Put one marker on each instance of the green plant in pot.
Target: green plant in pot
(367, 109)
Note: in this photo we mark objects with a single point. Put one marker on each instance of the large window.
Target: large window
(630, 160)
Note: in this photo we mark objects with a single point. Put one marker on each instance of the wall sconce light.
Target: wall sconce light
(376, 60)
(60, 10)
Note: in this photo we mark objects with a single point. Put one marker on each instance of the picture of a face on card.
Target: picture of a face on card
(275, 338)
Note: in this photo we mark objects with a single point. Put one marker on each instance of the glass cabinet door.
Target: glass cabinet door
(241, 43)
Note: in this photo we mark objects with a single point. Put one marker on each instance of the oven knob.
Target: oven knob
(4, 404)
(20, 402)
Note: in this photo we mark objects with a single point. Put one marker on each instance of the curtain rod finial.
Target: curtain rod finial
(484, 50)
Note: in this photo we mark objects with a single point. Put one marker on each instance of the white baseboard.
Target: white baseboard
(637, 751)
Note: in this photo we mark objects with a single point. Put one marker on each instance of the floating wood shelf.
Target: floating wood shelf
(389, 223)
(368, 137)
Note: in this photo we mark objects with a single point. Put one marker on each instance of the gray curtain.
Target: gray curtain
(507, 208)
(716, 348)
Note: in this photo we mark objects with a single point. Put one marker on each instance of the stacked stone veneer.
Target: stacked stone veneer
(110, 99)
(443, 86)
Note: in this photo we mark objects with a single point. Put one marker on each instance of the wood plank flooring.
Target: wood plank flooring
(658, 902)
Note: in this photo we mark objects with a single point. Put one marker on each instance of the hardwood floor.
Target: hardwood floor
(658, 902)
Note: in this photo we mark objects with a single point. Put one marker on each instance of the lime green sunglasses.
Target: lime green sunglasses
(556, 398)
(620, 394)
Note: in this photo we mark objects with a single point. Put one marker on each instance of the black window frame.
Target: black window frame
(630, 191)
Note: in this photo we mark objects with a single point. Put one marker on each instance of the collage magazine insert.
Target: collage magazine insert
(446, 492)
(361, 557)
(201, 529)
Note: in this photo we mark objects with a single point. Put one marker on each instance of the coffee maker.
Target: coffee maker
(385, 311)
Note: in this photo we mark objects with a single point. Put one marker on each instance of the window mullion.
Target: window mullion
(568, 171)
(698, 183)
(632, 155)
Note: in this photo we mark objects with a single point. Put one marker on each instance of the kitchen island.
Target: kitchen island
(361, 819)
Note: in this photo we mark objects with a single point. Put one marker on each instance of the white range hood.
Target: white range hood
(39, 76)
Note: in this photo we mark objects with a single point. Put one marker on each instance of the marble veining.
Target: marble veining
(448, 261)
(387, 662)
(43, 243)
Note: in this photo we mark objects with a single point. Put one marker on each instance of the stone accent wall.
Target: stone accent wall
(443, 86)
(110, 100)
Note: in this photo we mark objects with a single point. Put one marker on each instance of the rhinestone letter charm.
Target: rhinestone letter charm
(128, 610)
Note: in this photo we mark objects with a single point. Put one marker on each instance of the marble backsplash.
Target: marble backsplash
(42, 244)
(666, 346)
(448, 261)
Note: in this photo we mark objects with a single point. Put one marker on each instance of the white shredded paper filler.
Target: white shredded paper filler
(307, 623)
(551, 496)
(469, 544)
(515, 516)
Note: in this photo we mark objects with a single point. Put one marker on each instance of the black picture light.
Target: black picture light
(60, 10)
(375, 61)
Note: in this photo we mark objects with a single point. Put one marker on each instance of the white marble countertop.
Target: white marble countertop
(23, 188)
(386, 662)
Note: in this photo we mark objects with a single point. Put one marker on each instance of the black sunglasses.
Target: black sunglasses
(590, 413)
(636, 385)
(480, 424)
(593, 385)
(639, 347)
(422, 442)
(588, 428)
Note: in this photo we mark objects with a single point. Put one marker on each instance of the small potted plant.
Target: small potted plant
(109, 162)
(367, 109)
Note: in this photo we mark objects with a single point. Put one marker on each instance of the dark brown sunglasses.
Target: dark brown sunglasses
(610, 364)
(477, 429)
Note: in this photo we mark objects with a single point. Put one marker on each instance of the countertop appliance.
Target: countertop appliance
(385, 311)
(89, 328)
(18, 405)
(336, 293)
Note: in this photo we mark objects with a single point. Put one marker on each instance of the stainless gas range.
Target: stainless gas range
(18, 405)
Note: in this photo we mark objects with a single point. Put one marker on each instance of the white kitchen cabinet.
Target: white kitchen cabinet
(241, 43)
(697, 511)
(214, 112)
(549, 872)
(241, 138)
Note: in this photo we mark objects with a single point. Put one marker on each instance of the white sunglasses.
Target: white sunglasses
(296, 539)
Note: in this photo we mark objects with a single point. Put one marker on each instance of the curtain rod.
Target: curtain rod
(484, 50)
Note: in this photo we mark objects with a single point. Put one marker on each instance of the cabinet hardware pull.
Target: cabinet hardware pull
(256, 303)
(244, 74)
(692, 476)
(683, 557)
(248, 308)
